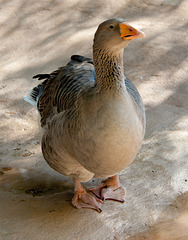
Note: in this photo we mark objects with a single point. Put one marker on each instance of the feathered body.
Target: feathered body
(89, 131)
(92, 116)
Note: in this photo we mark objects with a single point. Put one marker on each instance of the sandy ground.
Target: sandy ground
(39, 36)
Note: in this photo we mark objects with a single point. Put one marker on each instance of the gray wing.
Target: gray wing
(60, 89)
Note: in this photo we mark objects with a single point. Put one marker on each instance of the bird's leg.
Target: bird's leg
(82, 199)
(110, 189)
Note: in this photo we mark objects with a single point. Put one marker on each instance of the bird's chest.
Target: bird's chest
(114, 126)
(110, 138)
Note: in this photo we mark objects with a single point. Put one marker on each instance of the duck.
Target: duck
(92, 117)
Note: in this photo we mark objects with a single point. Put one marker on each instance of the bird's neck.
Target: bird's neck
(108, 68)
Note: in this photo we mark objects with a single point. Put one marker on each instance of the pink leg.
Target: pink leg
(110, 189)
(82, 199)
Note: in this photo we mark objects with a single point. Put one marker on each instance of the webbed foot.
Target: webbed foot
(82, 199)
(110, 189)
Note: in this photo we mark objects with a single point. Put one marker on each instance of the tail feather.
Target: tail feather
(34, 94)
(32, 97)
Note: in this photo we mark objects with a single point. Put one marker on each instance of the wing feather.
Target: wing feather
(63, 85)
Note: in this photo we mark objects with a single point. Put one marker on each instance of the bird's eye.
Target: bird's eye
(111, 26)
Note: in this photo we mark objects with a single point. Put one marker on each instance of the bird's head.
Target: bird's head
(115, 34)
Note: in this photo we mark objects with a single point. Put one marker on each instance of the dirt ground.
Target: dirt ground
(38, 37)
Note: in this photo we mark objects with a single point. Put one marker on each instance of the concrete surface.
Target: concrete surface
(38, 37)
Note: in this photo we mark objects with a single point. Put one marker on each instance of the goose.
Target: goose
(92, 117)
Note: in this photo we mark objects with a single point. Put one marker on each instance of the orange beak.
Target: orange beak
(129, 33)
